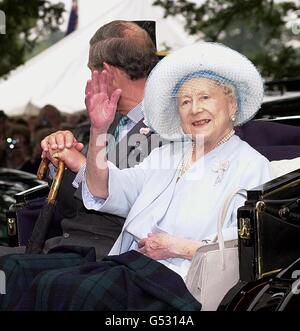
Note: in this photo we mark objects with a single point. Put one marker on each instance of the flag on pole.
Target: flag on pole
(73, 19)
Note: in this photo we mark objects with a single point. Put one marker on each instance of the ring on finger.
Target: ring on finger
(55, 155)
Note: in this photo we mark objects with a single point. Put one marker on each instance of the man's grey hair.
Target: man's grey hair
(125, 45)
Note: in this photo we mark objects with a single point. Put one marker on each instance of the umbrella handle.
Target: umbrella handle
(56, 181)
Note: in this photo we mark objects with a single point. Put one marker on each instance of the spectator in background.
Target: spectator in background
(32, 122)
(73, 119)
(33, 163)
(50, 117)
(17, 146)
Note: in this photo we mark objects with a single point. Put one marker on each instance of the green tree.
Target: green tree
(257, 28)
(26, 22)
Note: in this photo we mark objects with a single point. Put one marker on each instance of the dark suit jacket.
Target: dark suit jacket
(89, 228)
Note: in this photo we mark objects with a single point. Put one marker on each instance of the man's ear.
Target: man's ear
(111, 70)
(107, 67)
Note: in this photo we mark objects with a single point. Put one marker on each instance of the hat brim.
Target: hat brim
(159, 105)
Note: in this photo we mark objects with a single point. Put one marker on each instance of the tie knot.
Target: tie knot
(123, 121)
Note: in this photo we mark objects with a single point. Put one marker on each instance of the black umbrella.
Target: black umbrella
(40, 230)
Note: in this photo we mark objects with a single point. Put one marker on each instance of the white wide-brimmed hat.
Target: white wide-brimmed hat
(203, 59)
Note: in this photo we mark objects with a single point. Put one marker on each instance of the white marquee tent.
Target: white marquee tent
(58, 75)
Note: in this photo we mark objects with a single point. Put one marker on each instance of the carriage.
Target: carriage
(268, 223)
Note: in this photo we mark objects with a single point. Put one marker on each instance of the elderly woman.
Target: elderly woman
(172, 200)
(194, 98)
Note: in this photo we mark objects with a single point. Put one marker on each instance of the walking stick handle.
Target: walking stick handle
(56, 180)
(42, 169)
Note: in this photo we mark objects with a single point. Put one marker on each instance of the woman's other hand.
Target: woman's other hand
(158, 246)
(161, 246)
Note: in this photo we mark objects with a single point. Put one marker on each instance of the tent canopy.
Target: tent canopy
(58, 75)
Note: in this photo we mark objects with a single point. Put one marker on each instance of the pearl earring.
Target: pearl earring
(232, 118)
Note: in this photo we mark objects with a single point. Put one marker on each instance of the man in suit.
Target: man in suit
(127, 54)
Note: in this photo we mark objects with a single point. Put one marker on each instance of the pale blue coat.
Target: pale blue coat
(151, 199)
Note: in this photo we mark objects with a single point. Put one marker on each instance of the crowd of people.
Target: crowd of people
(20, 136)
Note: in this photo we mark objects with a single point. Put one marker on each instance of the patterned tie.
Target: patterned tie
(121, 125)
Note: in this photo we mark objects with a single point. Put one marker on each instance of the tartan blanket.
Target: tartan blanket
(21, 269)
(127, 282)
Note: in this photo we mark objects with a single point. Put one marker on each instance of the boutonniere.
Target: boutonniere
(220, 166)
(144, 131)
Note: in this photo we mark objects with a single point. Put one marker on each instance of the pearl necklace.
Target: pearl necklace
(187, 162)
(225, 138)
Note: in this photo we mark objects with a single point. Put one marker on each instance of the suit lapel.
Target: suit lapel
(123, 150)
